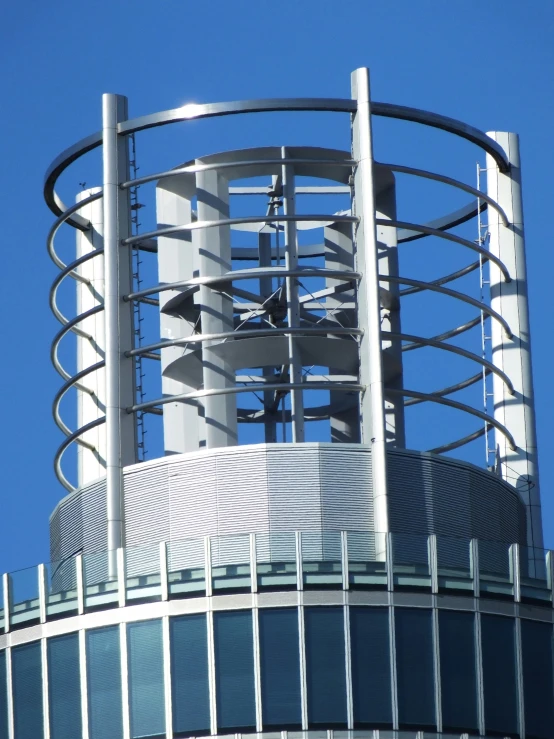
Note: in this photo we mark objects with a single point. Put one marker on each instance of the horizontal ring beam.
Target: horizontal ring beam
(458, 406)
(453, 294)
(197, 225)
(448, 237)
(194, 168)
(65, 444)
(425, 174)
(254, 273)
(455, 350)
(250, 333)
(255, 387)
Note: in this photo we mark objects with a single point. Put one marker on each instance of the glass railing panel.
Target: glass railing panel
(230, 563)
(186, 568)
(100, 580)
(61, 588)
(142, 574)
(276, 561)
(321, 559)
(495, 569)
(410, 561)
(367, 567)
(534, 578)
(454, 568)
(24, 601)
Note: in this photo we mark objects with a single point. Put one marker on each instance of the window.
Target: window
(280, 668)
(458, 672)
(189, 675)
(538, 689)
(371, 678)
(3, 697)
(499, 675)
(234, 664)
(414, 668)
(27, 691)
(64, 687)
(325, 667)
(146, 680)
(104, 683)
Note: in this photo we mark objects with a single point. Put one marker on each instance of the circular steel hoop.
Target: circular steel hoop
(458, 406)
(63, 390)
(461, 442)
(249, 333)
(65, 444)
(449, 237)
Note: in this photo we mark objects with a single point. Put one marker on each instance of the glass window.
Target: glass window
(280, 668)
(458, 672)
(3, 697)
(371, 678)
(234, 664)
(64, 687)
(146, 679)
(27, 691)
(325, 667)
(499, 675)
(189, 675)
(538, 690)
(414, 667)
(104, 683)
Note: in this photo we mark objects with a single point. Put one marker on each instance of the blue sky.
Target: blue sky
(488, 63)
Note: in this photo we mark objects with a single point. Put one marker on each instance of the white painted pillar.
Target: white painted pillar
(91, 390)
(513, 356)
(369, 309)
(214, 249)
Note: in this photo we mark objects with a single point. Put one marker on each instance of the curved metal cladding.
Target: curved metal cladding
(281, 487)
(253, 581)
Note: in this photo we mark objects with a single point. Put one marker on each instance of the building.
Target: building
(289, 567)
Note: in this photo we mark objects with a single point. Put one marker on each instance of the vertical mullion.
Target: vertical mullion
(519, 677)
(394, 687)
(480, 678)
(437, 670)
(45, 684)
(348, 668)
(303, 675)
(9, 679)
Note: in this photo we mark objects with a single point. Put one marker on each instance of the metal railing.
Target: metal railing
(251, 563)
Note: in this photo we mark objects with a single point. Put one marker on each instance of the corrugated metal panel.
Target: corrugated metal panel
(146, 505)
(294, 484)
(346, 490)
(242, 486)
(193, 496)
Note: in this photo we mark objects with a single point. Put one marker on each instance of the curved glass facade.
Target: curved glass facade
(286, 668)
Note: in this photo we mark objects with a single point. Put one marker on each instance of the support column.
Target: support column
(369, 311)
(266, 289)
(177, 261)
(513, 356)
(91, 390)
(293, 307)
(120, 373)
(214, 249)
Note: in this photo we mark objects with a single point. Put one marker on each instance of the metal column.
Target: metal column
(513, 356)
(293, 307)
(118, 316)
(369, 312)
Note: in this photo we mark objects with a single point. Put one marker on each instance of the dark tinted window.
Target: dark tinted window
(371, 679)
(280, 668)
(104, 683)
(499, 675)
(325, 667)
(146, 680)
(414, 668)
(27, 691)
(538, 693)
(64, 687)
(458, 672)
(3, 697)
(234, 664)
(189, 675)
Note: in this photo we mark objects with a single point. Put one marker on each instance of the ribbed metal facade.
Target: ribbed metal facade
(283, 487)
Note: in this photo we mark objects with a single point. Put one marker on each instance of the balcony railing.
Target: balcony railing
(310, 560)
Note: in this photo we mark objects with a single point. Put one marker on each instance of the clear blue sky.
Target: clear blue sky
(488, 63)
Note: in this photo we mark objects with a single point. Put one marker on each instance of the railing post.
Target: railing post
(42, 592)
(299, 567)
(7, 594)
(344, 559)
(164, 585)
(515, 566)
(474, 562)
(120, 559)
(433, 563)
(80, 583)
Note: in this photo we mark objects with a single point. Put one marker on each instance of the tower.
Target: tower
(289, 565)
